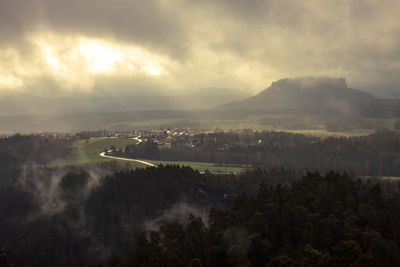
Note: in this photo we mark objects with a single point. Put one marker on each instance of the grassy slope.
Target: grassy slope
(87, 151)
(325, 133)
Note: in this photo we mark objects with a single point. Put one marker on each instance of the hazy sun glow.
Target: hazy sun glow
(76, 62)
(10, 82)
(80, 63)
(51, 60)
(153, 68)
(96, 57)
(103, 57)
(99, 57)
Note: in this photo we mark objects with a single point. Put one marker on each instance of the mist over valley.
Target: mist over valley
(199, 133)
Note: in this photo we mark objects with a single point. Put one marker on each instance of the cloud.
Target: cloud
(179, 212)
(147, 23)
(46, 187)
(240, 44)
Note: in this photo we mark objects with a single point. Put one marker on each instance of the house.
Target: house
(124, 134)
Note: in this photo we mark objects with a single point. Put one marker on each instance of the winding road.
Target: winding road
(137, 139)
(103, 154)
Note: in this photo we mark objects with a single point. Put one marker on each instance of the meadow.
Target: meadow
(324, 133)
(88, 151)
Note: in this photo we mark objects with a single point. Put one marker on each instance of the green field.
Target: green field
(201, 166)
(325, 133)
(87, 151)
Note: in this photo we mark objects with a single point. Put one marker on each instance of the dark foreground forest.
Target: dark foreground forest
(110, 215)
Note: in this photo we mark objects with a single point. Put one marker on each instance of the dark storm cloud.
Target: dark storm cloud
(149, 23)
(229, 43)
(357, 39)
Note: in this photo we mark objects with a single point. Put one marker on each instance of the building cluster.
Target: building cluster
(162, 137)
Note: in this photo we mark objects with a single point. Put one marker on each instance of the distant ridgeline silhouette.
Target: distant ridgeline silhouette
(316, 95)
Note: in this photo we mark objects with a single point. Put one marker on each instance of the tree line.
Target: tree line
(98, 215)
(374, 155)
(329, 220)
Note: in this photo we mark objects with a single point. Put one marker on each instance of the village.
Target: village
(163, 137)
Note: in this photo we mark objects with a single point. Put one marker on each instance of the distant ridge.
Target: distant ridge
(24, 104)
(307, 94)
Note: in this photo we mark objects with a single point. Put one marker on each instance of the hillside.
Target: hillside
(23, 104)
(313, 95)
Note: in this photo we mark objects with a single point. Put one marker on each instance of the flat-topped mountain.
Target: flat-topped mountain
(307, 94)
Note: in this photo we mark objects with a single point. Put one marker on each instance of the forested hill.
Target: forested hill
(100, 215)
(315, 95)
(330, 220)
(327, 220)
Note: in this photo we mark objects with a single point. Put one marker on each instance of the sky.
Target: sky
(53, 47)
